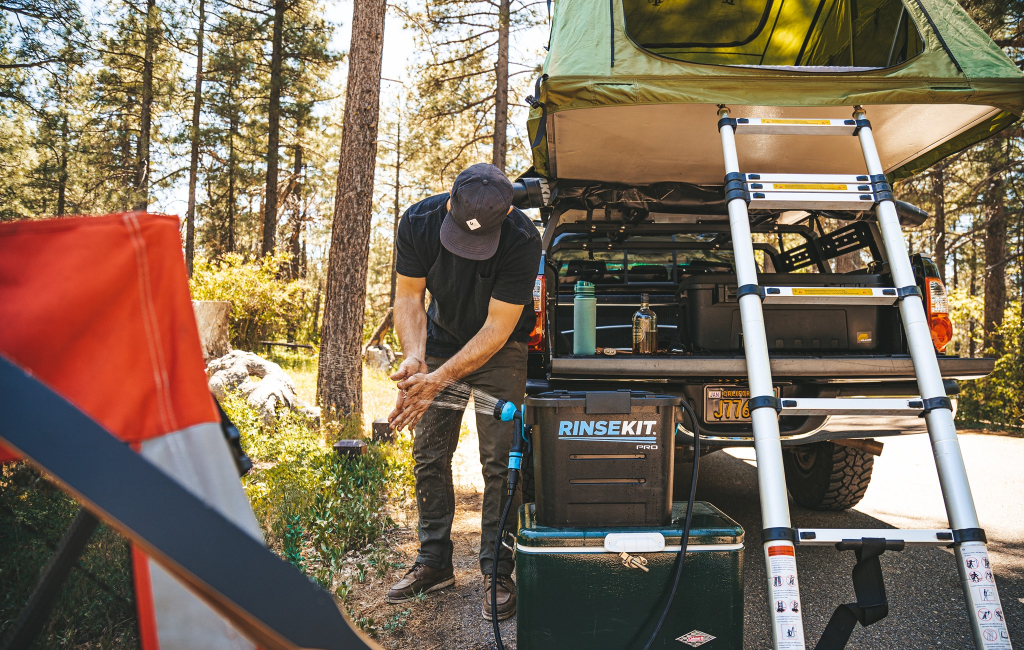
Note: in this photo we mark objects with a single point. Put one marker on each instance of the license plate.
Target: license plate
(727, 403)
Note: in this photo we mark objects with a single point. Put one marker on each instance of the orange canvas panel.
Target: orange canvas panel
(98, 308)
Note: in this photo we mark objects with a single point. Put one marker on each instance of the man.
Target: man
(478, 256)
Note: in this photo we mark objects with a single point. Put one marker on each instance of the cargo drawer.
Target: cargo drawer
(714, 316)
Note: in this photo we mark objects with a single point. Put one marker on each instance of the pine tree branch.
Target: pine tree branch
(32, 64)
(463, 108)
(464, 58)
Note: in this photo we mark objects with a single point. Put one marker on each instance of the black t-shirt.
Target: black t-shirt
(461, 289)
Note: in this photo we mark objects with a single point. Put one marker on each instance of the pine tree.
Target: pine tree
(339, 381)
(463, 83)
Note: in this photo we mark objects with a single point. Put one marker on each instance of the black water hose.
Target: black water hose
(505, 411)
(686, 526)
(494, 574)
(681, 558)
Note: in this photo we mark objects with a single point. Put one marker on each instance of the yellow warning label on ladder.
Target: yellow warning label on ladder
(817, 187)
(831, 291)
(781, 120)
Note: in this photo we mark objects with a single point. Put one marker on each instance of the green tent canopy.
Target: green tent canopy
(632, 86)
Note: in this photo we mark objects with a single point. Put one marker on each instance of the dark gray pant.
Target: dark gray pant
(437, 435)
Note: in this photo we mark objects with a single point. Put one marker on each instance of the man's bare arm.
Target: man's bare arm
(502, 318)
(411, 329)
(410, 325)
(420, 389)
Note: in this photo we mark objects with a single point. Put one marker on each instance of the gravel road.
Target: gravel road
(926, 604)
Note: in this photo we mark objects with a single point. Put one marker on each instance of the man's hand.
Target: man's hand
(416, 396)
(411, 366)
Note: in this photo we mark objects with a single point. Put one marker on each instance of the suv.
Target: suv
(673, 242)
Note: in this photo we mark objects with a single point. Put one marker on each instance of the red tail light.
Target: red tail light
(937, 304)
(536, 342)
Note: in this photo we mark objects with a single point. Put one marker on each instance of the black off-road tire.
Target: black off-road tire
(827, 476)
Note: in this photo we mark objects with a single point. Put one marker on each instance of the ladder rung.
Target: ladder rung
(828, 295)
(812, 179)
(794, 126)
(826, 188)
(851, 406)
(769, 200)
(912, 537)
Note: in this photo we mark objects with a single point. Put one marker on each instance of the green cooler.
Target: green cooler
(606, 587)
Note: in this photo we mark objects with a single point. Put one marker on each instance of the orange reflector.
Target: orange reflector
(536, 342)
(938, 313)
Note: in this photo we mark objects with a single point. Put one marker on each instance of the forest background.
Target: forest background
(229, 113)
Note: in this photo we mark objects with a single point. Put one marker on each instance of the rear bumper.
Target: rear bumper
(815, 369)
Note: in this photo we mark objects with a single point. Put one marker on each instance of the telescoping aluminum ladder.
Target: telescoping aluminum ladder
(856, 192)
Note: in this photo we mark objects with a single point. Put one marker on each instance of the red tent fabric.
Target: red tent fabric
(98, 309)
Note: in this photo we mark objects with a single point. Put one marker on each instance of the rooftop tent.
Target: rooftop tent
(632, 86)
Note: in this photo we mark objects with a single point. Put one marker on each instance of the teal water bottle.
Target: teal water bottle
(584, 319)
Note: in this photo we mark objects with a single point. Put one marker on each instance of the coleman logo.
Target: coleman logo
(608, 430)
(695, 638)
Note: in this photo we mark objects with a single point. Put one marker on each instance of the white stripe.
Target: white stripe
(696, 548)
(199, 459)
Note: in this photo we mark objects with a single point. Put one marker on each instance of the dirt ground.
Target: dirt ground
(449, 618)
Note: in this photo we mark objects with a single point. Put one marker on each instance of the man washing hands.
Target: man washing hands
(478, 256)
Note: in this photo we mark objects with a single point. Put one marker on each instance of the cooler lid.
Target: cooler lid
(710, 526)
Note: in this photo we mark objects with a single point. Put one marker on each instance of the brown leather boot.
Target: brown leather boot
(421, 579)
(506, 597)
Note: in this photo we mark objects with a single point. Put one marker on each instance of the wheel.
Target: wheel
(827, 476)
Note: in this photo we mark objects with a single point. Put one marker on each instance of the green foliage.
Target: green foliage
(315, 507)
(999, 398)
(96, 606)
(966, 311)
(263, 305)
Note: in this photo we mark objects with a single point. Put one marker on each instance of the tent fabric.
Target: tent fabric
(861, 33)
(199, 459)
(98, 308)
(593, 63)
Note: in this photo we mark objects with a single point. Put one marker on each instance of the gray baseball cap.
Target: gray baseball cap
(480, 200)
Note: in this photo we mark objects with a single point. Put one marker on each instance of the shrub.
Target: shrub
(263, 305)
(999, 398)
(314, 506)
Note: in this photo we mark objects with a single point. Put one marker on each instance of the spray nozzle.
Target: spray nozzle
(505, 410)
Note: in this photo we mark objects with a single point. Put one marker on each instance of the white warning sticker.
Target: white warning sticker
(984, 598)
(785, 598)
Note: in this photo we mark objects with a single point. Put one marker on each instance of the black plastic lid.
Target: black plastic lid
(601, 401)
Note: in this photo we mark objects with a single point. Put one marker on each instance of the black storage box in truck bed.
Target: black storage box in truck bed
(714, 316)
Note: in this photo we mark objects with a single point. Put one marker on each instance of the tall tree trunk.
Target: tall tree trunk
(274, 132)
(232, 133)
(501, 89)
(62, 178)
(973, 289)
(995, 264)
(146, 113)
(295, 241)
(398, 213)
(339, 382)
(193, 168)
(939, 205)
